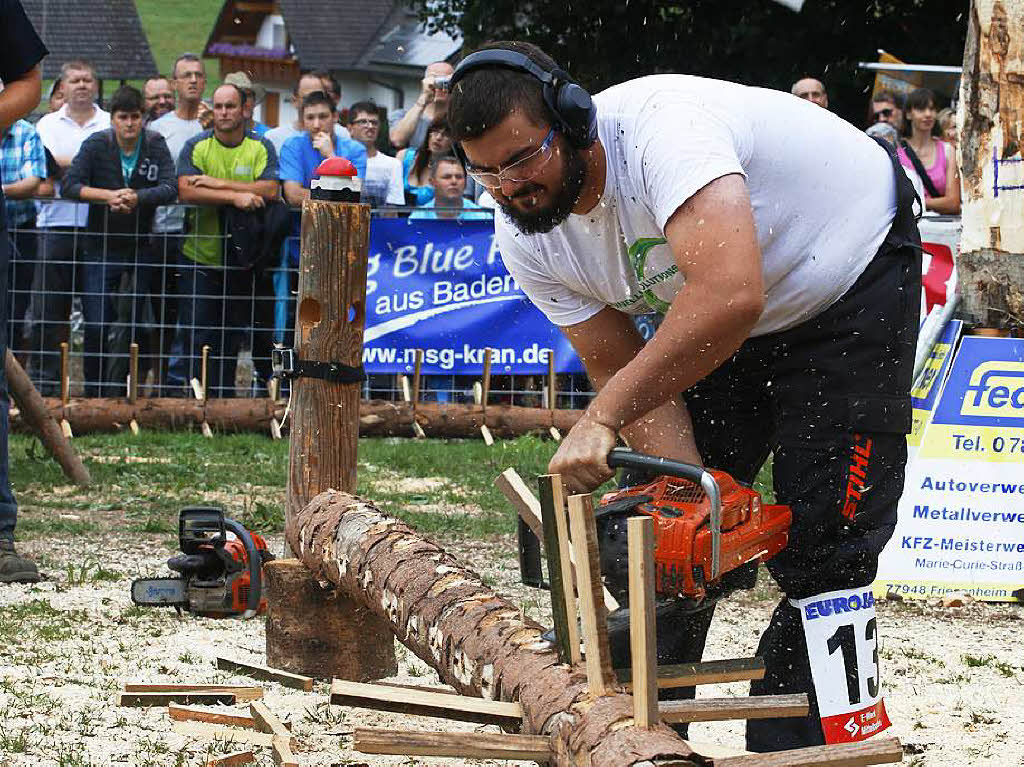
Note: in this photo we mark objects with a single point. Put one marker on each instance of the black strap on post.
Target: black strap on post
(287, 368)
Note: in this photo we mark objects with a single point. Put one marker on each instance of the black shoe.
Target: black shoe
(15, 568)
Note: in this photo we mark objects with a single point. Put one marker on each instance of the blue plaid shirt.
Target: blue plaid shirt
(21, 156)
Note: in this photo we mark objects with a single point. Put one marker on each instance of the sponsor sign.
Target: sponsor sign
(926, 389)
(842, 645)
(441, 286)
(940, 240)
(961, 518)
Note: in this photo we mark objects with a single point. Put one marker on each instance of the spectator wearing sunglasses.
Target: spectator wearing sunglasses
(887, 107)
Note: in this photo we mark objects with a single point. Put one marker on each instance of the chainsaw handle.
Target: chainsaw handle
(623, 457)
(255, 565)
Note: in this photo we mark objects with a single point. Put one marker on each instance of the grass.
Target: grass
(176, 27)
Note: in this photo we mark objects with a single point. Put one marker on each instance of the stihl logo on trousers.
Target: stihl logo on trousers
(856, 482)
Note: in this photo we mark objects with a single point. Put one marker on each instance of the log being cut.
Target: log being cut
(477, 642)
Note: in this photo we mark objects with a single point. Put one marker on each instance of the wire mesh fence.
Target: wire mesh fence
(101, 292)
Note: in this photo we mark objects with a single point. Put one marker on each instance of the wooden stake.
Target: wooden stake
(478, 391)
(133, 372)
(274, 389)
(275, 428)
(642, 642)
(281, 752)
(234, 759)
(706, 672)
(267, 721)
(258, 671)
(209, 714)
(65, 374)
(403, 384)
(600, 677)
(563, 601)
(197, 389)
(203, 731)
(485, 387)
(468, 745)
(871, 751)
(488, 439)
(425, 703)
(552, 383)
(514, 488)
(722, 709)
(204, 371)
(416, 377)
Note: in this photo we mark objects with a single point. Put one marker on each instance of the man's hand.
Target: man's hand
(324, 144)
(582, 458)
(123, 201)
(207, 182)
(427, 89)
(247, 201)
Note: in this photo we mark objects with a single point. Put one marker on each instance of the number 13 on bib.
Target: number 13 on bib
(842, 645)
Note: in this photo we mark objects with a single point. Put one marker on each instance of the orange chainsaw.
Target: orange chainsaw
(711, 531)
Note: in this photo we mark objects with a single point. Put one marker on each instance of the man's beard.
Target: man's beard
(543, 219)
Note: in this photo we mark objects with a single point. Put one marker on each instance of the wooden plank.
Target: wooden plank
(469, 745)
(281, 753)
(267, 721)
(600, 676)
(642, 642)
(133, 372)
(242, 693)
(416, 379)
(552, 384)
(210, 715)
(568, 569)
(721, 709)
(526, 504)
(560, 576)
(706, 672)
(233, 759)
(425, 703)
(204, 731)
(872, 751)
(403, 384)
(485, 386)
(266, 673)
(65, 373)
(488, 439)
(204, 368)
(423, 687)
(146, 699)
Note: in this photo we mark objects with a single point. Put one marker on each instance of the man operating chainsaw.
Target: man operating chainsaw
(779, 244)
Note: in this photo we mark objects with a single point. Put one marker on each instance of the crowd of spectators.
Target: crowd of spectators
(157, 196)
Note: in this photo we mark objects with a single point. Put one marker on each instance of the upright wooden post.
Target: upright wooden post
(310, 632)
(642, 642)
(991, 122)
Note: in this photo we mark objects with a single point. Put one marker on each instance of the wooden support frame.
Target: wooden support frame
(722, 709)
(705, 672)
(560, 571)
(872, 751)
(266, 673)
(468, 745)
(642, 641)
(600, 676)
(425, 703)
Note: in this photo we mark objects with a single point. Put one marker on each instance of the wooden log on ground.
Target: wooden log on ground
(467, 745)
(43, 422)
(377, 418)
(476, 641)
(990, 119)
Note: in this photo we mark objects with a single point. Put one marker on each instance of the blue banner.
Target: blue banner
(441, 286)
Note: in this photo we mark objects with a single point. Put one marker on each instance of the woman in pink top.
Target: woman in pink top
(937, 157)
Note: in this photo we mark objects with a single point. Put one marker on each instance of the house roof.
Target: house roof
(106, 33)
(340, 34)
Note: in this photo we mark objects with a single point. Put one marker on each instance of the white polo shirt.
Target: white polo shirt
(63, 137)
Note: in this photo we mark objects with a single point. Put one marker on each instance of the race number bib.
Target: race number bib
(842, 644)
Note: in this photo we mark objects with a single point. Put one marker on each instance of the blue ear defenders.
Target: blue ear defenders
(573, 109)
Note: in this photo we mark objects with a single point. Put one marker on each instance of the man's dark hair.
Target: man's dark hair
(186, 57)
(126, 99)
(316, 98)
(888, 96)
(363, 107)
(330, 79)
(437, 160)
(484, 97)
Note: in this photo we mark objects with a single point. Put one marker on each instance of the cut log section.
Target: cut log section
(477, 642)
(466, 745)
(377, 418)
(423, 703)
(874, 751)
(257, 671)
(722, 709)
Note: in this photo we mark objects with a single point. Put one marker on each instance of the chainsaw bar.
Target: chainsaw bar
(159, 592)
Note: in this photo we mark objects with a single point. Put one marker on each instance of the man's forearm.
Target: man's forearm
(295, 193)
(23, 189)
(402, 131)
(266, 189)
(19, 97)
(94, 194)
(201, 195)
(666, 431)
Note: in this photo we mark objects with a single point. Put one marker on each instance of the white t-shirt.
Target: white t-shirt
(63, 137)
(176, 131)
(383, 184)
(822, 192)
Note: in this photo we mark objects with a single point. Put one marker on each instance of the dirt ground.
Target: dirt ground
(954, 676)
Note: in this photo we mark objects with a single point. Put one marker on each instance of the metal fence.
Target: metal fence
(103, 292)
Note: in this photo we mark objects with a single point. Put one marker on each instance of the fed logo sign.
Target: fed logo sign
(995, 389)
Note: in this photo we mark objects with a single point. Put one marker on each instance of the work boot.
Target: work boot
(15, 568)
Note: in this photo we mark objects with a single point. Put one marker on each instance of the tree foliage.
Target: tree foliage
(757, 42)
